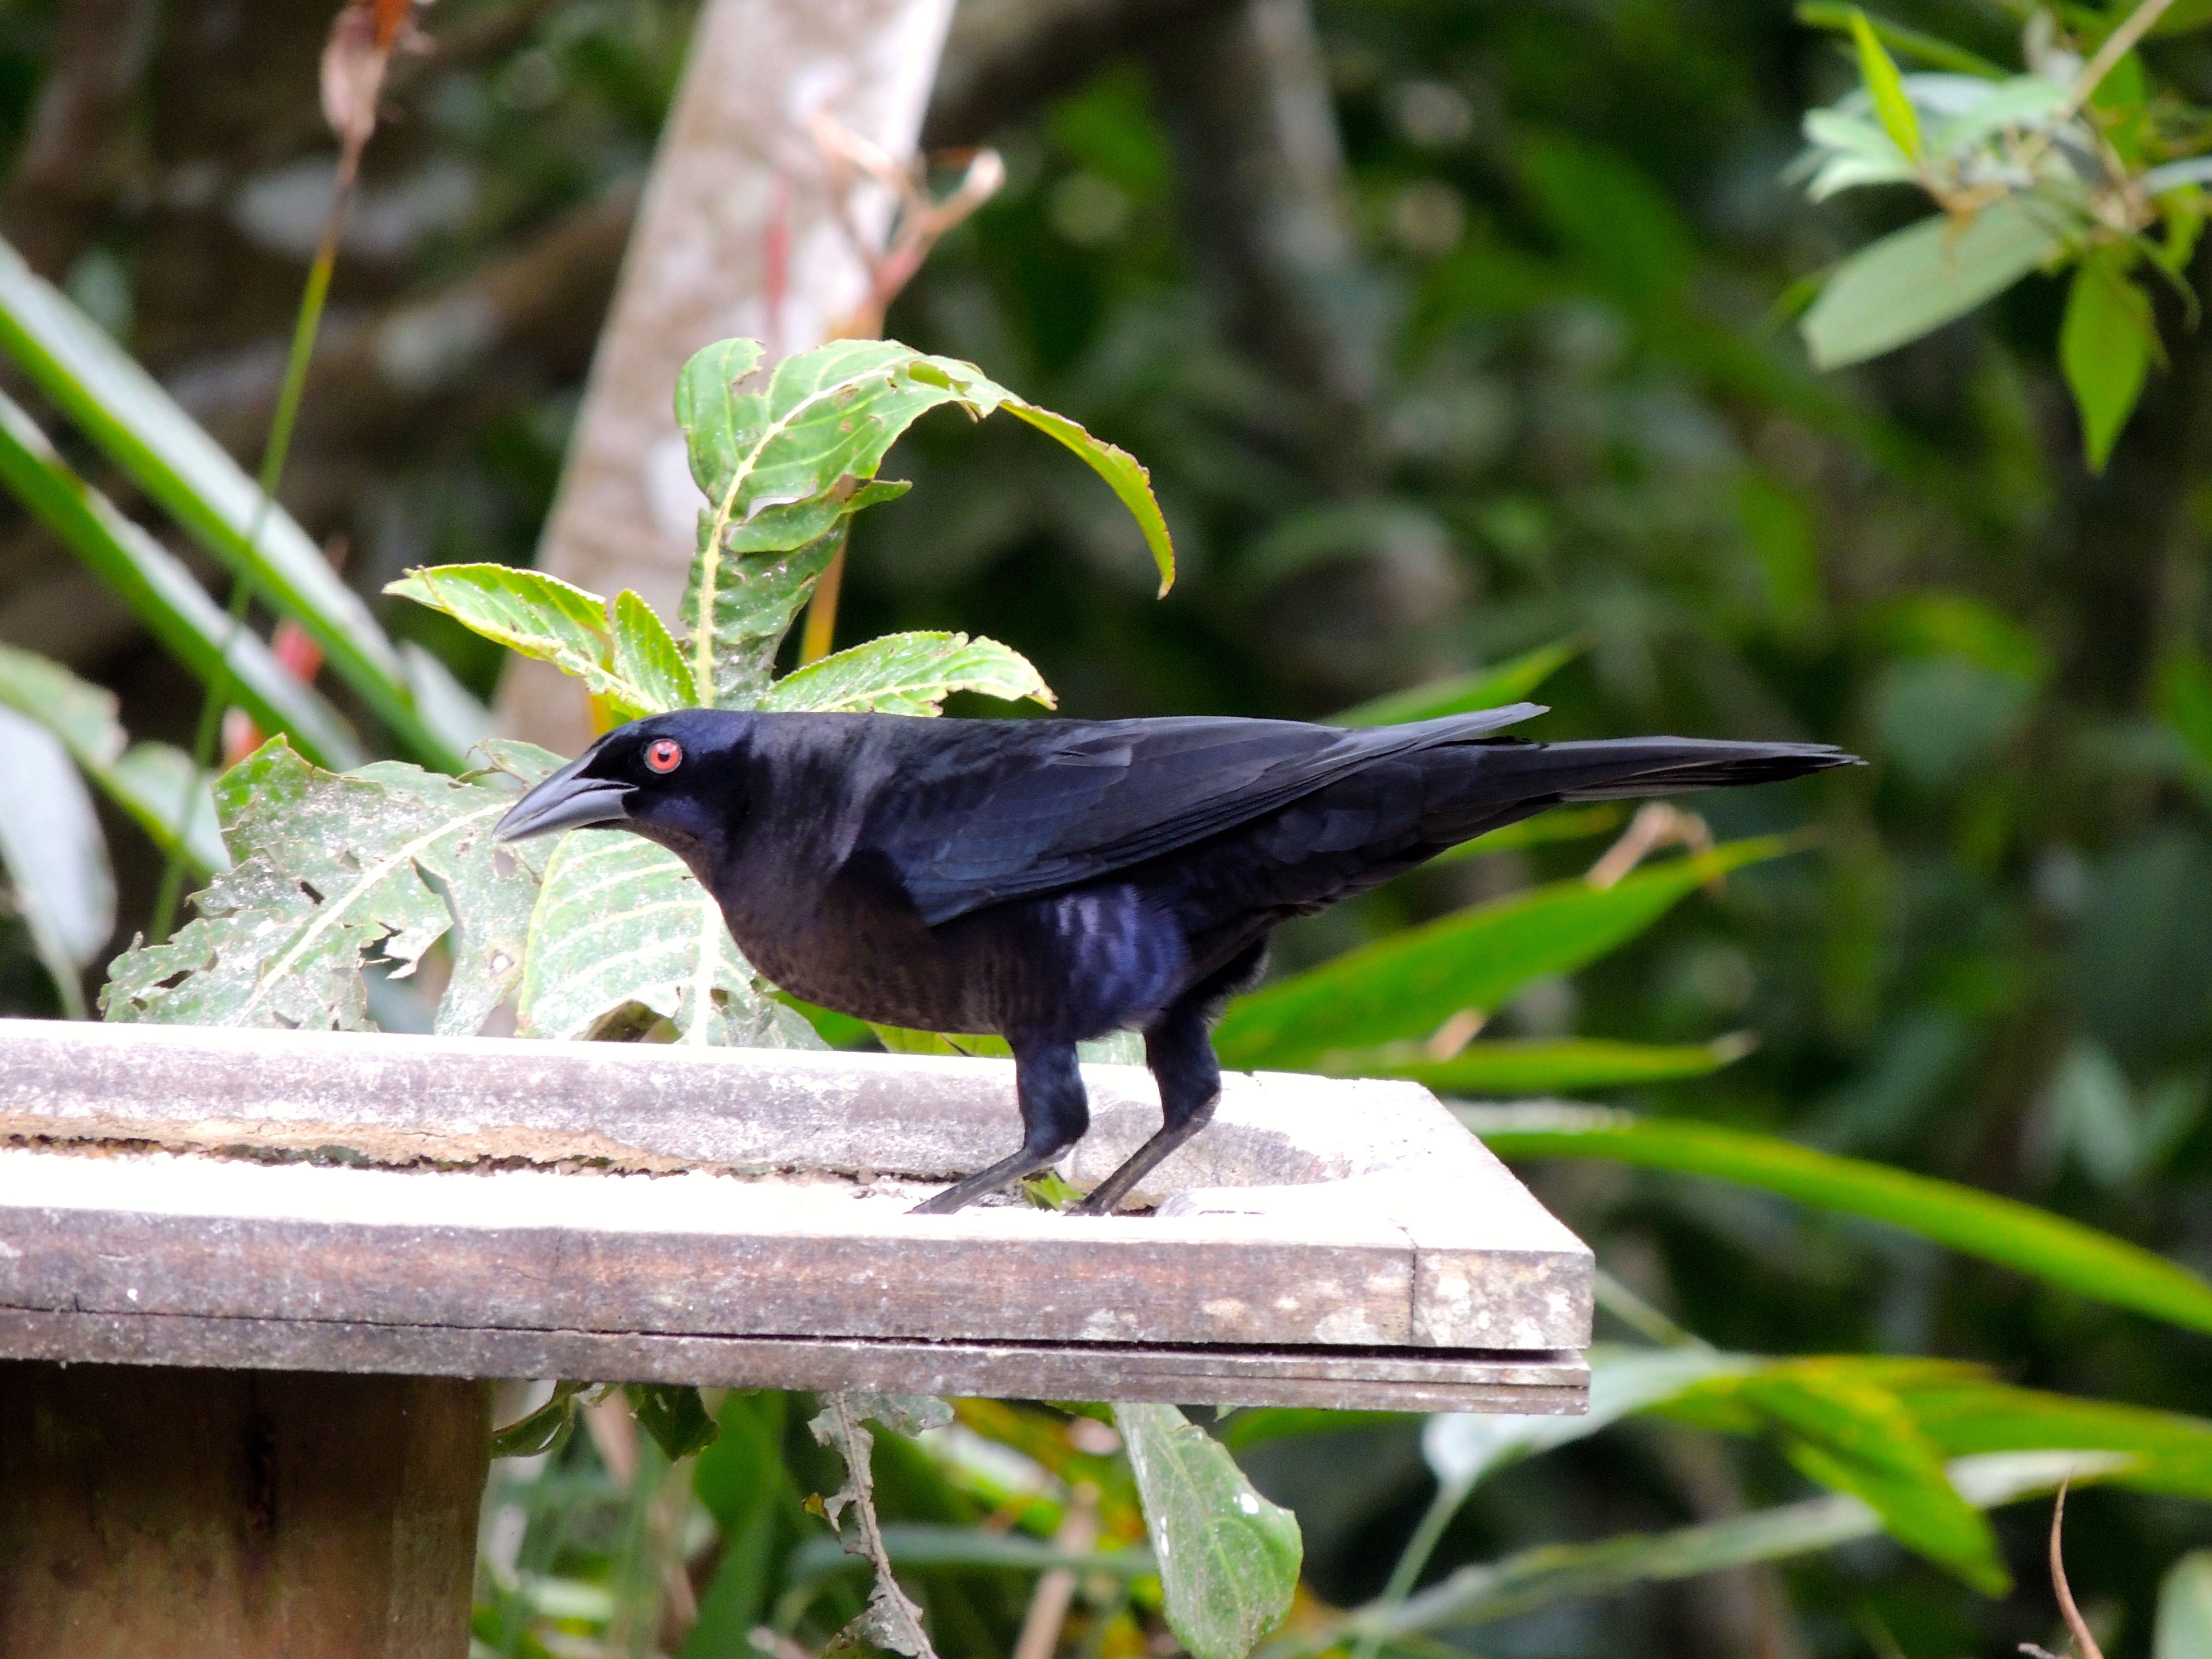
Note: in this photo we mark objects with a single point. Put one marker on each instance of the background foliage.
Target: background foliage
(1530, 378)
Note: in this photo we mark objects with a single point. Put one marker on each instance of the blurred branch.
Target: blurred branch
(1245, 93)
(76, 156)
(1002, 58)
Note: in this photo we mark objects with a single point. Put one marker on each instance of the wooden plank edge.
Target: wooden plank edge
(1534, 1384)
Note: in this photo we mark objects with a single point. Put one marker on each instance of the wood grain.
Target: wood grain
(657, 1206)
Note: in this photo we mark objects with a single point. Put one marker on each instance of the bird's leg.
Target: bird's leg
(1180, 1053)
(1054, 1113)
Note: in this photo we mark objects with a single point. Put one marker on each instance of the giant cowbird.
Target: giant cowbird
(1054, 881)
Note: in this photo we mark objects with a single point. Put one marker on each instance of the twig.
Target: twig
(1049, 1602)
(2084, 1644)
(892, 1619)
(1654, 826)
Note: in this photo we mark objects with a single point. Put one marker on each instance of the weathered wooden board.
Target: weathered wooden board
(200, 1196)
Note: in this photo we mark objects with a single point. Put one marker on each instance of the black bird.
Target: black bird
(1053, 881)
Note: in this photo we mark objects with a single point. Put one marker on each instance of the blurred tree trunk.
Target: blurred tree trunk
(742, 231)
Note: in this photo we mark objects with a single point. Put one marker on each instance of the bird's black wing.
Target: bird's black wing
(1000, 809)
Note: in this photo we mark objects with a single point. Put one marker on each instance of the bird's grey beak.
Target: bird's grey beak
(567, 800)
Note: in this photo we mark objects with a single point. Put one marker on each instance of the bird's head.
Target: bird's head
(667, 777)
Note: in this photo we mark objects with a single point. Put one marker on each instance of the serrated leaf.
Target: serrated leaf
(785, 459)
(647, 655)
(1228, 1559)
(1914, 280)
(621, 925)
(2105, 347)
(537, 616)
(908, 674)
(675, 1416)
(1886, 87)
(151, 781)
(332, 868)
(54, 854)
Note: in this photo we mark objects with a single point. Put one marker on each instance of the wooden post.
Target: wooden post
(147, 1512)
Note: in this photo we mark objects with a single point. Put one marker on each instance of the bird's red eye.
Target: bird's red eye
(663, 754)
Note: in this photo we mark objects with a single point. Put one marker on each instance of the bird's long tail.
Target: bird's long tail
(1513, 780)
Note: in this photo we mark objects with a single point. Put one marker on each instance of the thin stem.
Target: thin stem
(1640, 1316)
(1450, 1495)
(222, 685)
(822, 609)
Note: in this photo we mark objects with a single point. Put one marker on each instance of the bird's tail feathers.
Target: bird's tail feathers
(1631, 769)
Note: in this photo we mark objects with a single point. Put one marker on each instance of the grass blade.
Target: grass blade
(128, 413)
(2013, 1235)
(164, 595)
(1547, 1065)
(1486, 688)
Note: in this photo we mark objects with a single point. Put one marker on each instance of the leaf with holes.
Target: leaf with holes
(908, 674)
(335, 869)
(785, 457)
(623, 936)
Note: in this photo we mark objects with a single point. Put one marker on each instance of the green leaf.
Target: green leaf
(1929, 49)
(907, 674)
(535, 615)
(1229, 1559)
(675, 1416)
(2184, 700)
(2184, 1609)
(785, 461)
(1914, 281)
(542, 1430)
(646, 656)
(1560, 823)
(2017, 1236)
(150, 783)
(162, 594)
(126, 412)
(1849, 1432)
(1553, 1573)
(332, 867)
(2105, 346)
(1464, 1447)
(621, 926)
(1486, 688)
(55, 855)
(1886, 87)
(1410, 983)
(1552, 1066)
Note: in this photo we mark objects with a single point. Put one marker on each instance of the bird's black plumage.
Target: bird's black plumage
(1053, 881)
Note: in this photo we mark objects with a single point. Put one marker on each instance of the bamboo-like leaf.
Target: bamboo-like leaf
(1550, 1065)
(1914, 280)
(786, 458)
(1916, 43)
(1886, 87)
(908, 674)
(1510, 682)
(388, 859)
(1850, 1433)
(163, 594)
(149, 781)
(125, 411)
(1553, 1573)
(54, 854)
(1229, 1559)
(1407, 985)
(2013, 1235)
(620, 927)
